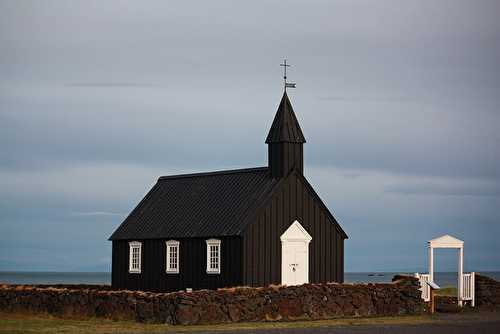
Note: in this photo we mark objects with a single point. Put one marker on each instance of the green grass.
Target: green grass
(29, 323)
(448, 291)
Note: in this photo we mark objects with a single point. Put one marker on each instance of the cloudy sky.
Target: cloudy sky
(399, 102)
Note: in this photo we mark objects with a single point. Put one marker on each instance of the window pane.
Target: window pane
(135, 257)
(173, 257)
(213, 256)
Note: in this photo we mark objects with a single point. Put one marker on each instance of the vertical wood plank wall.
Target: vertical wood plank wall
(284, 157)
(192, 269)
(262, 245)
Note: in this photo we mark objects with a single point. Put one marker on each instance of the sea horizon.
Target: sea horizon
(444, 279)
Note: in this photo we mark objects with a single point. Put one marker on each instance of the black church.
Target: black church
(244, 227)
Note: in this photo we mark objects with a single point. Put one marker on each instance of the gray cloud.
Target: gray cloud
(108, 84)
(370, 99)
(445, 190)
(97, 214)
(394, 100)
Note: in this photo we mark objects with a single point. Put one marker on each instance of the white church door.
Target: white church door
(295, 255)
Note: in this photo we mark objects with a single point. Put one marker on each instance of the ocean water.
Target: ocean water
(443, 279)
(26, 277)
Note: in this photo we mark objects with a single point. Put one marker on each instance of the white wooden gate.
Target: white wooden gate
(468, 292)
(465, 281)
(468, 284)
(424, 287)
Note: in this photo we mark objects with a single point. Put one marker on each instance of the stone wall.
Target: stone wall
(487, 292)
(274, 303)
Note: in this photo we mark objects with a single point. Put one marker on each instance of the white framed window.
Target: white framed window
(213, 256)
(172, 256)
(135, 256)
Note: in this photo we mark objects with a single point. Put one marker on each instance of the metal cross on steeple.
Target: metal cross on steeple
(286, 84)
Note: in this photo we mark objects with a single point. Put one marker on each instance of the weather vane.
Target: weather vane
(286, 84)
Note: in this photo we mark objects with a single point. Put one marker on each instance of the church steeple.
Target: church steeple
(285, 141)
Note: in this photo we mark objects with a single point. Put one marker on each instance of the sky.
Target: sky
(399, 102)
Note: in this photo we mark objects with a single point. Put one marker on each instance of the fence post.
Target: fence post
(473, 288)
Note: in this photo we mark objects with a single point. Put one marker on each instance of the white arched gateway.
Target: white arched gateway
(465, 289)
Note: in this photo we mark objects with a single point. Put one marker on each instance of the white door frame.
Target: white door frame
(295, 234)
(447, 241)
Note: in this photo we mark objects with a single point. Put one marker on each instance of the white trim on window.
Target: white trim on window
(135, 256)
(213, 256)
(172, 249)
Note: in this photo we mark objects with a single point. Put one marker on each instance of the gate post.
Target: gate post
(460, 276)
(473, 288)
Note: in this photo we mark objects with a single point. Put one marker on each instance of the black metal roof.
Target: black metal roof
(198, 205)
(285, 126)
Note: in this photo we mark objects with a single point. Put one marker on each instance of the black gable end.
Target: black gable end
(265, 201)
(292, 200)
(320, 202)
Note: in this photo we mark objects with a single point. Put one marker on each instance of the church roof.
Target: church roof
(285, 126)
(198, 205)
(212, 204)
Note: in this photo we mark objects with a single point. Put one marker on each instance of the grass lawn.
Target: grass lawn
(448, 291)
(29, 323)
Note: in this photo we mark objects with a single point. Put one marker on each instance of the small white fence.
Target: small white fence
(424, 287)
(467, 293)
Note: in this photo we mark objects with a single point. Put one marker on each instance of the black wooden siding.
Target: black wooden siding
(192, 269)
(262, 244)
(284, 157)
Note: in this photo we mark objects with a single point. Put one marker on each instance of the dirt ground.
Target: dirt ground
(466, 322)
(482, 323)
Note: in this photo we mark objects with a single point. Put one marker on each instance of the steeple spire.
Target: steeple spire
(285, 141)
(285, 128)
